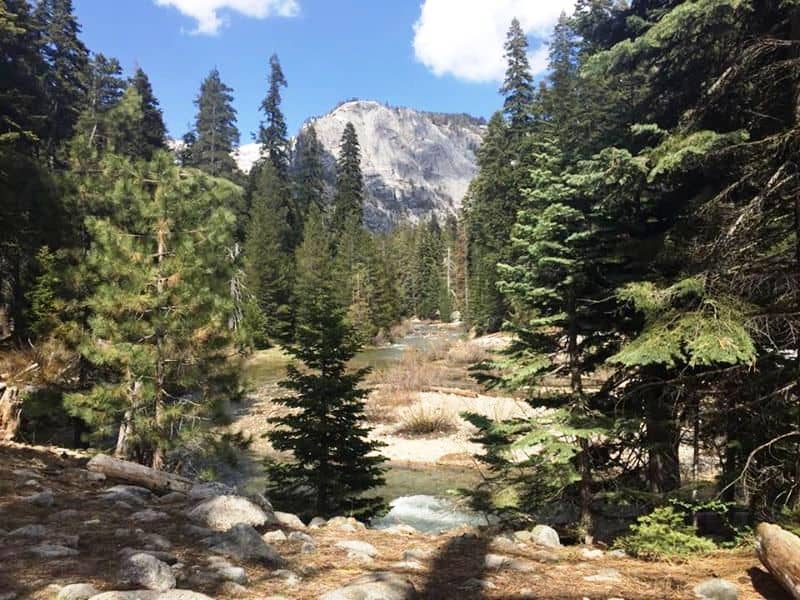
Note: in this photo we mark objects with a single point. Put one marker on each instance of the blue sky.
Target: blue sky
(439, 55)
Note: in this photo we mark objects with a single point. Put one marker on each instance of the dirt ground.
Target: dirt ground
(455, 569)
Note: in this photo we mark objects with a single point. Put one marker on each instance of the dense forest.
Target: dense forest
(634, 224)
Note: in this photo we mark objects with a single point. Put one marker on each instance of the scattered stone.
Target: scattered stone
(171, 498)
(62, 516)
(716, 589)
(27, 473)
(147, 571)
(154, 540)
(401, 528)
(290, 578)
(418, 554)
(164, 557)
(232, 573)
(503, 543)
(496, 561)
(91, 522)
(523, 536)
(148, 516)
(474, 584)
(93, 475)
(289, 520)
(358, 547)
(43, 499)
(210, 489)
(317, 522)
(231, 589)
(77, 591)
(52, 551)
(8, 596)
(375, 586)
(151, 595)
(348, 524)
(299, 536)
(618, 553)
(223, 512)
(591, 553)
(242, 542)
(32, 483)
(521, 566)
(604, 576)
(128, 494)
(273, 537)
(545, 536)
(201, 532)
(308, 548)
(408, 565)
(30, 531)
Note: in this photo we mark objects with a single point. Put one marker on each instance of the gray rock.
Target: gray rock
(289, 520)
(129, 494)
(543, 535)
(418, 554)
(43, 499)
(591, 553)
(496, 561)
(171, 498)
(232, 573)
(348, 524)
(8, 595)
(408, 565)
(147, 571)
(273, 537)
(504, 544)
(154, 540)
(242, 542)
(401, 528)
(148, 516)
(201, 532)
(299, 536)
(317, 522)
(77, 591)
(716, 589)
(210, 489)
(165, 557)
(151, 595)
(375, 586)
(223, 512)
(27, 473)
(30, 531)
(308, 548)
(604, 576)
(231, 589)
(52, 551)
(62, 516)
(358, 547)
(290, 578)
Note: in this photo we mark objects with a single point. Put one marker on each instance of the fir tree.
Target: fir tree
(272, 132)
(348, 203)
(518, 85)
(334, 463)
(215, 128)
(268, 254)
(309, 176)
(152, 136)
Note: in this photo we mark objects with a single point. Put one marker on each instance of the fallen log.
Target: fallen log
(450, 391)
(779, 551)
(152, 479)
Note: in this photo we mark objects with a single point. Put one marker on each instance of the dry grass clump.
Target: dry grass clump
(413, 373)
(426, 421)
(382, 405)
(465, 354)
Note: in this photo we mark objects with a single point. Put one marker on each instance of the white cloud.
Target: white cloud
(207, 12)
(464, 38)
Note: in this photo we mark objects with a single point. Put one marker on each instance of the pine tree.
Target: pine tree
(348, 203)
(106, 84)
(334, 463)
(268, 254)
(215, 128)
(309, 176)
(161, 305)
(272, 132)
(153, 133)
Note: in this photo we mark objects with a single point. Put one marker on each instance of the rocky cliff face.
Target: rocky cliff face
(415, 164)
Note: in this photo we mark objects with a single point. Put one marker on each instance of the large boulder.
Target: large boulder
(375, 586)
(242, 542)
(289, 520)
(77, 591)
(543, 535)
(220, 513)
(145, 570)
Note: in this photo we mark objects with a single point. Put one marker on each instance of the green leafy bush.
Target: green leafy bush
(664, 534)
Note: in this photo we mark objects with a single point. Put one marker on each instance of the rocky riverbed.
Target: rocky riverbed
(71, 534)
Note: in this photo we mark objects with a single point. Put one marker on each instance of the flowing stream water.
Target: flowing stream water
(419, 495)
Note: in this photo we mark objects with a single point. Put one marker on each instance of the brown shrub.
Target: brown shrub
(422, 421)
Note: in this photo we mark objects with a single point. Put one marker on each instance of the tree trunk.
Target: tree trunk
(779, 551)
(662, 441)
(159, 455)
(152, 479)
(10, 413)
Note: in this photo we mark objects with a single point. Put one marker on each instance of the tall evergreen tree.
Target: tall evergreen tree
(67, 61)
(309, 176)
(518, 85)
(334, 463)
(272, 132)
(215, 128)
(348, 203)
(153, 133)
